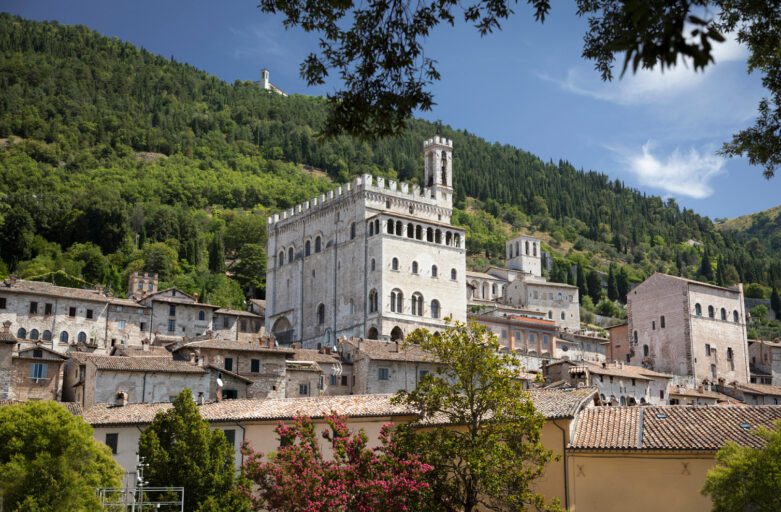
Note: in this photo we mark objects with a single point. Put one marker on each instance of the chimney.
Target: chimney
(145, 344)
(398, 346)
(120, 399)
(512, 343)
(201, 400)
(328, 350)
(99, 288)
(199, 360)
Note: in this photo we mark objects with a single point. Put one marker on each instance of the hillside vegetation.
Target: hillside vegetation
(113, 159)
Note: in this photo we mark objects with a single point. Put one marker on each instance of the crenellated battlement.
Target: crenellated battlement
(438, 141)
(366, 182)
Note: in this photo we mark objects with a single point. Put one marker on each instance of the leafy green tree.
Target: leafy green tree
(250, 270)
(17, 234)
(622, 282)
(217, 253)
(494, 459)
(94, 265)
(757, 291)
(581, 282)
(746, 478)
(182, 451)
(612, 284)
(50, 461)
(594, 286)
(161, 258)
(759, 313)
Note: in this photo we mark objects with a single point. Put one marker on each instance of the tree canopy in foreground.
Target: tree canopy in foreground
(747, 478)
(377, 48)
(479, 429)
(50, 461)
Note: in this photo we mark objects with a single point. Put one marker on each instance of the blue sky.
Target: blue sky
(526, 86)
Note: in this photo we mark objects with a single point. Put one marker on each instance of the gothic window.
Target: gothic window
(662, 322)
(414, 267)
(395, 264)
(444, 168)
(485, 291)
(517, 249)
(373, 301)
(429, 234)
(390, 229)
(698, 309)
(433, 271)
(318, 244)
(397, 301)
(494, 289)
(82, 337)
(201, 316)
(34, 334)
(735, 316)
(448, 238)
(723, 314)
(352, 231)
(47, 336)
(438, 237)
(373, 335)
(418, 232)
(417, 304)
(377, 226)
(290, 255)
(21, 333)
(711, 312)
(457, 240)
(373, 265)
(281, 258)
(307, 248)
(527, 248)
(321, 314)
(645, 351)
(410, 230)
(634, 337)
(563, 315)
(435, 308)
(64, 337)
(399, 228)
(550, 314)
(534, 249)
(453, 274)
(371, 228)
(431, 169)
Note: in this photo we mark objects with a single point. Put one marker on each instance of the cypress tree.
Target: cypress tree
(720, 272)
(217, 254)
(594, 286)
(612, 284)
(706, 269)
(581, 282)
(622, 283)
(775, 302)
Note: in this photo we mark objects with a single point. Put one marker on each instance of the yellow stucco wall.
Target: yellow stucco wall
(640, 482)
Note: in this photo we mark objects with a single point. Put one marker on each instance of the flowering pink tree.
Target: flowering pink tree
(298, 478)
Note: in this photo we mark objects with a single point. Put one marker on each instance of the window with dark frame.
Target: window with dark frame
(255, 366)
(229, 364)
(47, 308)
(2, 302)
(33, 308)
(71, 311)
(112, 441)
(89, 314)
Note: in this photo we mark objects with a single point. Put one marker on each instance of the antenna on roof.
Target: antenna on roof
(438, 127)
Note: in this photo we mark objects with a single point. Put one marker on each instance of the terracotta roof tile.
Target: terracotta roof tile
(759, 389)
(137, 364)
(672, 427)
(307, 354)
(43, 288)
(390, 351)
(239, 346)
(236, 312)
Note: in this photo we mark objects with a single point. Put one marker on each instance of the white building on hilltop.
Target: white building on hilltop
(373, 258)
(265, 83)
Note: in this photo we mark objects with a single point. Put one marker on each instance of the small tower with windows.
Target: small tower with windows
(438, 159)
(265, 83)
(524, 253)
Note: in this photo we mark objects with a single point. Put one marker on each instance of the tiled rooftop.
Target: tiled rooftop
(307, 354)
(620, 370)
(672, 427)
(43, 288)
(137, 364)
(239, 346)
(759, 389)
(390, 351)
(236, 312)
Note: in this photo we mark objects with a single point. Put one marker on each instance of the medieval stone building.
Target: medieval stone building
(373, 258)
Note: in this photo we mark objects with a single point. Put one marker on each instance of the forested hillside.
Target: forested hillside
(113, 159)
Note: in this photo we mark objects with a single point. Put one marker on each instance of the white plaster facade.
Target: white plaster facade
(373, 259)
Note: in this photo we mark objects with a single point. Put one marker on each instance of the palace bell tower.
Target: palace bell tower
(438, 158)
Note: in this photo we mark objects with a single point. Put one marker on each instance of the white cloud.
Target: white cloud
(259, 40)
(649, 86)
(679, 173)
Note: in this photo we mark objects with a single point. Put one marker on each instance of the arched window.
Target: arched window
(399, 228)
(550, 314)
(308, 248)
(352, 231)
(373, 265)
(457, 240)
(494, 289)
(735, 316)
(414, 267)
(662, 322)
(444, 168)
(634, 337)
(448, 238)
(429, 234)
(534, 249)
(435, 308)
(82, 337)
(563, 315)
(281, 260)
(47, 336)
(201, 315)
(397, 301)
(64, 337)
(395, 264)
(711, 312)
(698, 309)
(417, 304)
(434, 271)
(397, 334)
(321, 314)
(390, 229)
(517, 249)
(418, 232)
(21, 333)
(453, 274)
(318, 244)
(373, 301)
(290, 255)
(34, 334)
(723, 314)
(485, 291)
(645, 351)
(371, 228)
(377, 226)
(527, 248)
(438, 236)
(373, 333)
